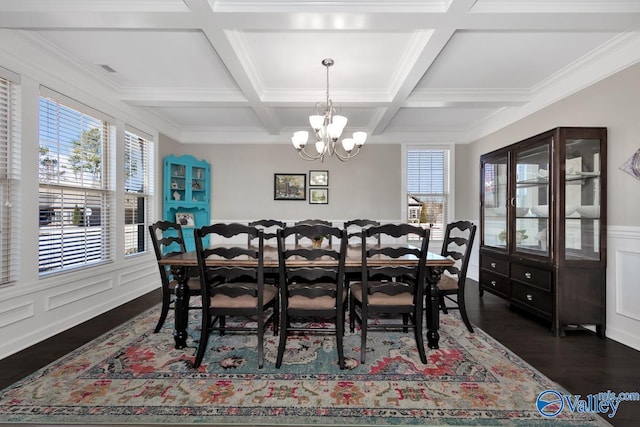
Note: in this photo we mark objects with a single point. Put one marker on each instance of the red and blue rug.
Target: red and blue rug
(133, 376)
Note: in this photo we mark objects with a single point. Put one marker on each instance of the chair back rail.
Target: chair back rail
(354, 228)
(269, 228)
(457, 243)
(298, 238)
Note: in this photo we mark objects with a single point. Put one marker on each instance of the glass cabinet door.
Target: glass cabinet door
(178, 175)
(495, 196)
(582, 195)
(531, 200)
(198, 184)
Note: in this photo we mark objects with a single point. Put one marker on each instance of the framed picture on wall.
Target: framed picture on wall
(290, 186)
(185, 219)
(319, 196)
(318, 178)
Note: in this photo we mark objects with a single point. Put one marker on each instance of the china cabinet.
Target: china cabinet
(543, 210)
(186, 194)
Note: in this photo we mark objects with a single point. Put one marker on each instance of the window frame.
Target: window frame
(145, 194)
(10, 176)
(437, 233)
(84, 239)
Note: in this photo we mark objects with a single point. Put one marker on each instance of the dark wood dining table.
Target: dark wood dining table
(179, 263)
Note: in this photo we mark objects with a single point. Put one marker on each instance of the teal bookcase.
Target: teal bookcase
(187, 194)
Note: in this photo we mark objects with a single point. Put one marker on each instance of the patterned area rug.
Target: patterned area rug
(133, 376)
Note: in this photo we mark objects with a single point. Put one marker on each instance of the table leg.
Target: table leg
(433, 307)
(181, 306)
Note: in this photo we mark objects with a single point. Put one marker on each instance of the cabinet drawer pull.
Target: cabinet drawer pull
(527, 275)
(529, 297)
(493, 265)
(493, 283)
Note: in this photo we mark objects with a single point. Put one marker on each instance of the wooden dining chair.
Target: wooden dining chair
(232, 282)
(457, 244)
(314, 291)
(300, 239)
(269, 229)
(393, 290)
(167, 240)
(354, 229)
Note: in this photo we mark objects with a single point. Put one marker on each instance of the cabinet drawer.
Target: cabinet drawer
(531, 297)
(532, 276)
(494, 283)
(495, 265)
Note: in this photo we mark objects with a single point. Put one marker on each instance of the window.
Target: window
(75, 195)
(9, 175)
(428, 189)
(137, 187)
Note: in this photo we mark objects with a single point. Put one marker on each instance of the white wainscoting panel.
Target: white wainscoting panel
(78, 292)
(623, 285)
(134, 276)
(32, 312)
(628, 273)
(16, 314)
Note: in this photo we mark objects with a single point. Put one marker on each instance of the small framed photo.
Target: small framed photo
(185, 219)
(319, 196)
(290, 186)
(318, 178)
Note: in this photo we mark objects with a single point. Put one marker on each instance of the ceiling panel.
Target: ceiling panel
(520, 60)
(176, 59)
(95, 5)
(250, 71)
(239, 117)
(292, 60)
(556, 6)
(429, 119)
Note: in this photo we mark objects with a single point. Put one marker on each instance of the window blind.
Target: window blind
(138, 189)
(428, 189)
(75, 198)
(9, 176)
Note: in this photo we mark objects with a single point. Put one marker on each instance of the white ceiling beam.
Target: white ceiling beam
(163, 97)
(313, 18)
(214, 32)
(429, 98)
(430, 52)
(36, 20)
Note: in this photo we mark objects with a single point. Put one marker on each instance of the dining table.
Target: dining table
(179, 263)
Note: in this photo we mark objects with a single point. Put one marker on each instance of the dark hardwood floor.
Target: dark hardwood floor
(580, 362)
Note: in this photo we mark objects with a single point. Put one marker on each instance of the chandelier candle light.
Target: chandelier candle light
(328, 126)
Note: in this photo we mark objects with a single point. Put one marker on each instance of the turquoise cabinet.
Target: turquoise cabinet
(186, 193)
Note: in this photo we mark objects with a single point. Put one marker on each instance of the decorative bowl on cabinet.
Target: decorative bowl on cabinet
(589, 211)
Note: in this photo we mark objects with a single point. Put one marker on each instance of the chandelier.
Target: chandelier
(327, 126)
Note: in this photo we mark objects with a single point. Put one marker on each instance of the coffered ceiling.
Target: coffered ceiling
(249, 71)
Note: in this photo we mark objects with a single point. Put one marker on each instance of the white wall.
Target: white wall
(612, 103)
(34, 308)
(242, 182)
